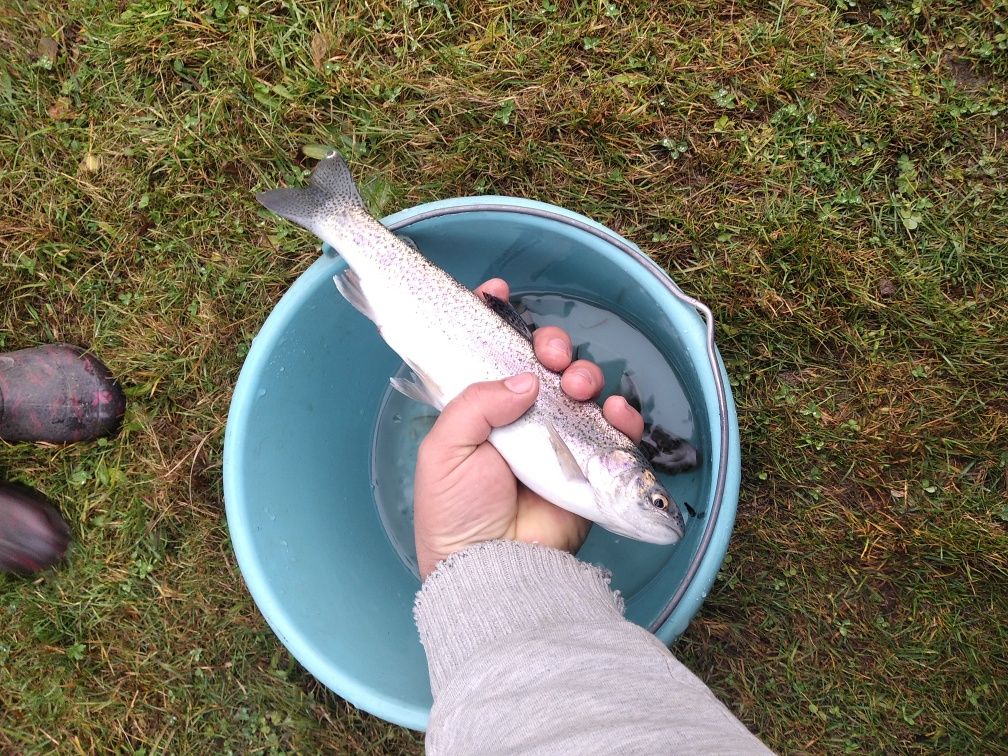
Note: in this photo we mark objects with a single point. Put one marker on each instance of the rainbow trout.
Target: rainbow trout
(562, 449)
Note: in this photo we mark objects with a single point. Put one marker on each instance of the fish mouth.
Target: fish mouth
(667, 537)
(663, 532)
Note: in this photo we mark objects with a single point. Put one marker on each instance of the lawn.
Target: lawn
(830, 177)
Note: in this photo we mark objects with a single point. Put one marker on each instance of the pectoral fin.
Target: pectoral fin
(568, 464)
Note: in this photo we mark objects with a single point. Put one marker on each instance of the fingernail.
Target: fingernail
(584, 374)
(521, 383)
(560, 346)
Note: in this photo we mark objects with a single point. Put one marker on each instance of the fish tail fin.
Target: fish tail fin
(331, 192)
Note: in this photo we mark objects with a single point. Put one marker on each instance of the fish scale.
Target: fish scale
(562, 449)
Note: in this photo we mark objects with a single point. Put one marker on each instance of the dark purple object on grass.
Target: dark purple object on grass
(33, 535)
(57, 393)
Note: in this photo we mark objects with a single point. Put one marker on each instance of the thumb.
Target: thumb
(467, 420)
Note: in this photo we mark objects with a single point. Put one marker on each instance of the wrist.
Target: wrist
(496, 589)
(433, 550)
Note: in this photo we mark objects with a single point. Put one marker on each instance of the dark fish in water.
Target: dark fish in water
(666, 451)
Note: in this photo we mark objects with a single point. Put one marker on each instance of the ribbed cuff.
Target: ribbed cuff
(496, 588)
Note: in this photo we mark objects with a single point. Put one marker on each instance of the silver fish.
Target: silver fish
(562, 449)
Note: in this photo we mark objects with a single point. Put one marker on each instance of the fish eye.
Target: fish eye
(660, 501)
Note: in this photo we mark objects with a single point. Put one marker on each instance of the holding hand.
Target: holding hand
(465, 492)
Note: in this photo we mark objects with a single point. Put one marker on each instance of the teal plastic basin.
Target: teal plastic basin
(297, 452)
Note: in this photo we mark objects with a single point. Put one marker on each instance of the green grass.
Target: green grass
(830, 177)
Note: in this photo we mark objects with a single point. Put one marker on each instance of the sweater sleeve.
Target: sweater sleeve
(529, 652)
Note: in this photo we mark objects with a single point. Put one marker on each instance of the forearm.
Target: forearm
(529, 652)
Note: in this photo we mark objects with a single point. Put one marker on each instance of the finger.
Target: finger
(467, 420)
(623, 417)
(496, 287)
(539, 521)
(552, 347)
(582, 380)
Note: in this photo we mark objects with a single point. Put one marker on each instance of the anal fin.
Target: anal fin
(413, 388)
(349, 285)
(419, 387)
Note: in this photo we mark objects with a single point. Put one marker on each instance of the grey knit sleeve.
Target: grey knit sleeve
(529, 653)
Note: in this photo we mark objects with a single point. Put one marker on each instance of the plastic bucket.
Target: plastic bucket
(298, 448)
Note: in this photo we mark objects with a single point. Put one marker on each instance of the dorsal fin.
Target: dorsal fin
(510, 315)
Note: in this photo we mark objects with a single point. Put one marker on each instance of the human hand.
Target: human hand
(464, 491)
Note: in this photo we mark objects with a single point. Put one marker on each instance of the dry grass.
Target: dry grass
(830, 178)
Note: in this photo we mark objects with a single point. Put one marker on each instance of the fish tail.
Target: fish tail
(331, 192)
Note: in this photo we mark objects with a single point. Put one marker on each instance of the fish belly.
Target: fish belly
(526, 447)
(447, 343)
